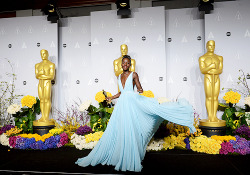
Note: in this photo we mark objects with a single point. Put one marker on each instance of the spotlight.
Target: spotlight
(52, 11)
(123, 7)
(206, 6)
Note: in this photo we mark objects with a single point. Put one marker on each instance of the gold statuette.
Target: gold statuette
(211, 66)
(118, 62)
(45, 72)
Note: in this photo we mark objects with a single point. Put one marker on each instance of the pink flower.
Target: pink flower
(64, 139)
(226, 147)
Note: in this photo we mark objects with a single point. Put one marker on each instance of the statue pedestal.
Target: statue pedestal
(43, 127)
(41, 130)
(209, 128)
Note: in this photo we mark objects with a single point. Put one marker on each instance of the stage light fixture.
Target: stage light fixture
(206, 6)
(52, 11)
(123, 7)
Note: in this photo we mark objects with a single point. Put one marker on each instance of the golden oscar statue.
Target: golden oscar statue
(45, 72)
(118, 62)
(211, 66)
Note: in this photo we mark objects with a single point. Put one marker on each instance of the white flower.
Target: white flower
(247, 101)
(4, 140)
(85, 105)
(13, 109)
(80, 142)
(155, 145)
(163, 100)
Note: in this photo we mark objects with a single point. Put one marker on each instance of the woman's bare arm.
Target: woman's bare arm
(137, 82)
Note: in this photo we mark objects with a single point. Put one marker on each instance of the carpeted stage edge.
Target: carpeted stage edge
(62, 161)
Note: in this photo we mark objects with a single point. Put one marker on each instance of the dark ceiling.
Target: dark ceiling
(14, 5)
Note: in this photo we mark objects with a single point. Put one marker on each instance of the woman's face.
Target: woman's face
(125, 64)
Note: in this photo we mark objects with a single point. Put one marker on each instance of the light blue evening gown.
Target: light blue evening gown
(133, 122)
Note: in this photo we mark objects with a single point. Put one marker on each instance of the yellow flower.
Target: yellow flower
(36, 136)
(232, 97)
(174, 141)
(148, 94)
(56, 131)
(13, 131)
(205, 145)
(28, 101)
(93, 136)
(100, 97)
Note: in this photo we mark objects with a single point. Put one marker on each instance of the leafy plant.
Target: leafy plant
(234, 116)
(99, 117)
(25, 117)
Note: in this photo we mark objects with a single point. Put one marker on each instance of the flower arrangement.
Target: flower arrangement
(83, 130)
(205, 145)
(4, 140)
(155, 145)
(100, 97)
(148, 93)
(233, 115)
(36, 136)
(69, 126)
(56, 131)
(173, 141)
(13, 131)
(28, 101)
(13, 109)
(226, 148)
(243, 131)
(84, 106)
(223, 138)
(93, 136)
(232, 97)
(241, 145)
(99, 117)
(27, 114)
(85, 142)
(6, 128)
(37, 142)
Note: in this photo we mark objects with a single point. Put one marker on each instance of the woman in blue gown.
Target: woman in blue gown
(133, 122)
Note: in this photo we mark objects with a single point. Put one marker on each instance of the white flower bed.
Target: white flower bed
(155, 145)
(4, 140)
(80, 142)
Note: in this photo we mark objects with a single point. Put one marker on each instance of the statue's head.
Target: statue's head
(44, 54)
(124, 49)
(126, 62)
(210, 46)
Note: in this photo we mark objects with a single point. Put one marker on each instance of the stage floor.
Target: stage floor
(62, 161)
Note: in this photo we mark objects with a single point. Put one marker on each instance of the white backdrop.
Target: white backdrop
(184, 46)
(164, 44)
(231, 17)
(24, 34)
(75, 61)
(149, 53)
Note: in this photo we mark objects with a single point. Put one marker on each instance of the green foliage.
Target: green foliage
(25, 117)
(99, 117)
(234, 117)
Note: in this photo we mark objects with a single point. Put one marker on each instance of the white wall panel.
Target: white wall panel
(184, 46)
(24, 34)
(149, 53)
(230, 17)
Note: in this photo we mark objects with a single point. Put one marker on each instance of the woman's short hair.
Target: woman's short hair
(128, 57)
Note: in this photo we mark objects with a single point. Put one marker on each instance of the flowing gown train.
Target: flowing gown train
(133, 122)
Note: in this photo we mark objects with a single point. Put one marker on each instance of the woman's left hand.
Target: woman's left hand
(140, 90)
